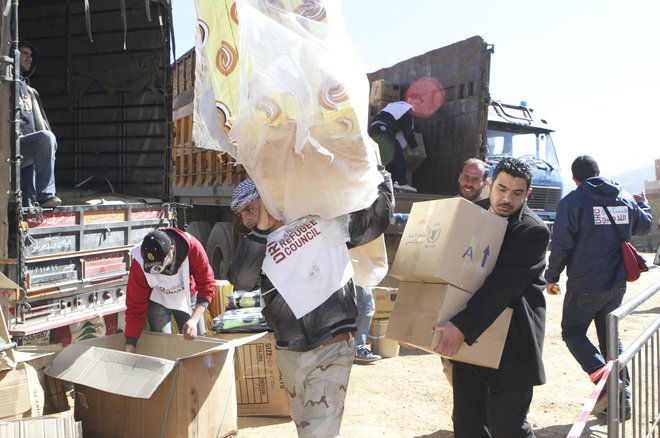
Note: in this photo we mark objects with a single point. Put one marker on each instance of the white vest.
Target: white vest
(172, 291)
(307, 261)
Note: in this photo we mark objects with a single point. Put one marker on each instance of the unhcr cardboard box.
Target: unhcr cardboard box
(259, 384)
(419, 306)
(449, 241)
(171, 388)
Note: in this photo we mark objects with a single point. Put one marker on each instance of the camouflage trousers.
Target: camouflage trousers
(316, 383)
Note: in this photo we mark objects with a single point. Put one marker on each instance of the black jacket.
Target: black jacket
(516, 282)
(337, 314)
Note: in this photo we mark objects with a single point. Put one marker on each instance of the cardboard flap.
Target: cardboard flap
(117, 372)
(227, 344)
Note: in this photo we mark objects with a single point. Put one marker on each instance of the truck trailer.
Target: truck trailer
(103, 77)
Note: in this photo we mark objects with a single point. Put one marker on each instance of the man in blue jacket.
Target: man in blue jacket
(584, 242)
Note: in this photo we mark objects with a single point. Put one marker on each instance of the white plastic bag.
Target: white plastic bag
(300, 127)
(369, 262)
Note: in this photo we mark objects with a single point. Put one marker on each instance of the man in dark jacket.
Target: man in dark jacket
(304, 273)
(38, 143)
(395, 118)
(584, 242)
(494, 402)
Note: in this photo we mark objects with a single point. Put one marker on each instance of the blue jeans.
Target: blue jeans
(580, 309)
(365, 308)
(160, 318)
(38, 167)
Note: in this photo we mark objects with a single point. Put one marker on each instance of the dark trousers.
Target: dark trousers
(488, 410)
(581, 307)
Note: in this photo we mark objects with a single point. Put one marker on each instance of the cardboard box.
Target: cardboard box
(384, 298)
(383, 90)
(39, 357)
(449, 241)
(259, 386)
(415, 157)
(379, 343)
(42, 427)
(420, 306)
(21, 394)
(171, 388)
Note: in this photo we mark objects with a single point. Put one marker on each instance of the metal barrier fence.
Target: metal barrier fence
(641, 359)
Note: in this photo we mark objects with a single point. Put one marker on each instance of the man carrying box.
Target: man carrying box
(494, 402)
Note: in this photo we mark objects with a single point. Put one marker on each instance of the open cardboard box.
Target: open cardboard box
(172, 387)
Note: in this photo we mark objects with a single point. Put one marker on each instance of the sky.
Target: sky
(590, 67)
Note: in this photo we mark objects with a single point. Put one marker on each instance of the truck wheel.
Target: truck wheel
(201, 230)
(219, 248)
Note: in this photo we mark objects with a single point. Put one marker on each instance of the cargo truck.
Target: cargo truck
(103, 77)
(470, 124)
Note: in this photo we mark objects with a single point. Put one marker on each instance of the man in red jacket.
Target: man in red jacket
(170, 276)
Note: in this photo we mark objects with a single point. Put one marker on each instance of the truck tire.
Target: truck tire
(201, 230)
(220, 249)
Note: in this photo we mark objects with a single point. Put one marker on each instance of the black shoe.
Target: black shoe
(601, 403)
(627, 412)
(51, 202)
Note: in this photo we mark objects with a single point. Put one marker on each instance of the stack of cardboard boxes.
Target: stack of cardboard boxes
(259, 385)
(448, 248)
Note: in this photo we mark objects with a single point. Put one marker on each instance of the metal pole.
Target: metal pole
(613, 379)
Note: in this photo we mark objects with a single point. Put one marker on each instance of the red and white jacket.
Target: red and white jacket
(189, 251)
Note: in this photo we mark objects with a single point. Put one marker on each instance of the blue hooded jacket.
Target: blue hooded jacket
(588, 246)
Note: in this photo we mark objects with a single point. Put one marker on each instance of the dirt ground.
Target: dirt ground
(408, 396)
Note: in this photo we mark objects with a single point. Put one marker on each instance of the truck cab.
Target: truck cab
(515, 131)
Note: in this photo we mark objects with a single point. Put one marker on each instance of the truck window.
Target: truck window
(531, 146)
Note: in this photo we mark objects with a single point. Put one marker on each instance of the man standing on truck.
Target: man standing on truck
(394, 118)
(304, 273)
(584, 242)
(37, 142)
(170, 276)
(494, 402)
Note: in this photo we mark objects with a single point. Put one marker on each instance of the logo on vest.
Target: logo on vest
(292, 241)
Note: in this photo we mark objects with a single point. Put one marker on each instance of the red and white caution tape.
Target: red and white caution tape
(577, 428)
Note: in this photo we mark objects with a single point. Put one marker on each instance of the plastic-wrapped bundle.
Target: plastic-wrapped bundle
(300, 128)
(242, 299)
(248, 319)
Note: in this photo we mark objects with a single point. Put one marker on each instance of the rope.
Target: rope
(588, 406)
